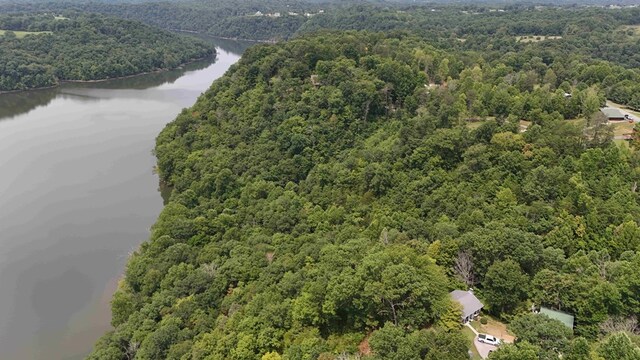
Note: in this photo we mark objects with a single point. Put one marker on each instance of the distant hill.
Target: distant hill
(42, 50)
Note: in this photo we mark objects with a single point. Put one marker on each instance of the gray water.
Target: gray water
(77, 195)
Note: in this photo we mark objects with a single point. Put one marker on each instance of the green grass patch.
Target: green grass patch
(22, 34)
(622, 144)
(622, 128)
(470, 335)
(579, 122)
(474, 124)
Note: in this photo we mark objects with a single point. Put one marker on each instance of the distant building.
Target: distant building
(563, 317)
(613, 114)
(471, 306)
(315, 80)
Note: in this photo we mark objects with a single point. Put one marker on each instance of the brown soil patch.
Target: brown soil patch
(364, 347)
(497, 329)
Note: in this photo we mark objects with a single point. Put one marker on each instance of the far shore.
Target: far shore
(60, 82)
(225, 38)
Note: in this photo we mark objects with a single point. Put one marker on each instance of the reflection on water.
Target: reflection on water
(77, 195)
(13, 104)
(21, 102)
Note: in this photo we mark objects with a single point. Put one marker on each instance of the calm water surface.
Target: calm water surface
(77, 195)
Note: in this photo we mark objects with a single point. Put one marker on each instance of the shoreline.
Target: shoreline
(61, 82)
(240, 39)
(30, 89)
(225, 38)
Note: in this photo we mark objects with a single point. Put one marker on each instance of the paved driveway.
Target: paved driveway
(483, 349)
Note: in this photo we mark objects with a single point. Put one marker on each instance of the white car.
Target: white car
(488, 339)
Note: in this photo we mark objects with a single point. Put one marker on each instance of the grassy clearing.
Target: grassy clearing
(22, 34)
(474, 124)
(471, 337)
(535, 38)
(579, 122)
(621, 143)
(622, 128)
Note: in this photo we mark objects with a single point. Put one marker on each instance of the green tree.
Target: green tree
(619, 347)
(505, 286)
(520, 351)
(540, 330)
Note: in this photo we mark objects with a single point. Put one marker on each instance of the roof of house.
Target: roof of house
(470, 303)
(563, 317)
(612, 113)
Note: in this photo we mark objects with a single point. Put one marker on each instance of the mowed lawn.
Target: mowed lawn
(471, 336)
(21, 34)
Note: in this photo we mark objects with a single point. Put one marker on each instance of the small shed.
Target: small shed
(563, 317)
(613, 114)
(471, 306)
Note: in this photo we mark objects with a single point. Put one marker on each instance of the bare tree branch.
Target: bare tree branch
(464, 268)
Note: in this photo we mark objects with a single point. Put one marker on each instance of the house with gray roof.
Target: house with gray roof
(471, 306)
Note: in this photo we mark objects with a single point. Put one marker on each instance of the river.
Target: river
(77, 195)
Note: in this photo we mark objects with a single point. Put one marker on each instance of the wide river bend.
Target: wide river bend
(77, 195)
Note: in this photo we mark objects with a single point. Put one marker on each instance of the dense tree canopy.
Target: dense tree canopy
(601, 45)
(85, 47)
(325, 188)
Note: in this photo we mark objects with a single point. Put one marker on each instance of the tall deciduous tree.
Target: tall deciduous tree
(505, 286)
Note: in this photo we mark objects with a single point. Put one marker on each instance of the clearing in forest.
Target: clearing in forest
(535, 38)
(631, 30)
(21, 34)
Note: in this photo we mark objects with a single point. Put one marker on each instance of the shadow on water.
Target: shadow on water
(14, 104)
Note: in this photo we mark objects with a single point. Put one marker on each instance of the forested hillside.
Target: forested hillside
(327, 189)
(42, 50)
(225, 18)
(581, 34)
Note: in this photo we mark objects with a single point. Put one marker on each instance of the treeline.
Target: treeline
(224, 18)
(85, 47)
(325, 189)
(607, 38)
